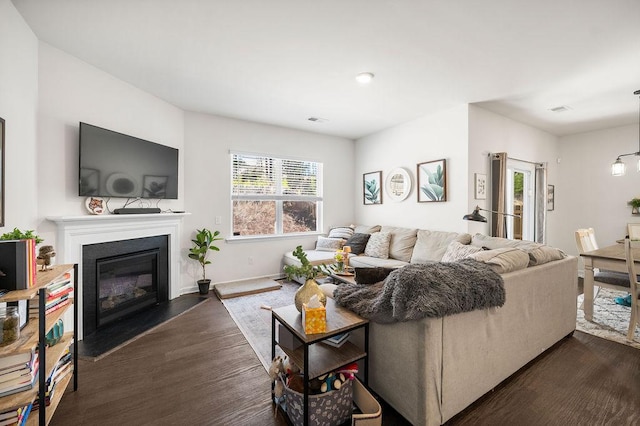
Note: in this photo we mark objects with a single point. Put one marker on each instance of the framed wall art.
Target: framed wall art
(398, 184)
(372, 188)
(480, 186)
(432, 181)
(551, 197)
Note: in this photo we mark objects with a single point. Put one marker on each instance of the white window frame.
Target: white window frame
(279, 197)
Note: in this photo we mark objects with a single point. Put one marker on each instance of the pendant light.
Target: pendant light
(618, 168)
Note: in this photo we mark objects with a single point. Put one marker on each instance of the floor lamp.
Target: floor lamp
(477, 217)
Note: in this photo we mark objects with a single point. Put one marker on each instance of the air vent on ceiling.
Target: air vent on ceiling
(317, 119)
(561, 108)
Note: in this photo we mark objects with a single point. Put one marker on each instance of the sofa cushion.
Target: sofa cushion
(371, 275)
(358, 242)
(539, 254)
(329, 244)
(402, 242)
(431, 245)
(366, 229)
(503, 260)
(363, 261)
(457, 251)
(378, 245)
(543, 254)
(315, 257)
(344, 232)
(480, 240)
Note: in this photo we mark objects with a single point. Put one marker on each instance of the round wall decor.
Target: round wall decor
(398, 184)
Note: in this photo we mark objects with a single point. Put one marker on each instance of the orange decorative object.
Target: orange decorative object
(347, 252)
(314, 319)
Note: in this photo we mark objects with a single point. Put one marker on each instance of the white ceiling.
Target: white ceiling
(283, 61)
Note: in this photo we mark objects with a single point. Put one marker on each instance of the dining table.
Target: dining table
(611, 258)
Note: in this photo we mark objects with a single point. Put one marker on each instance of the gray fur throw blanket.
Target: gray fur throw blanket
(416, 291)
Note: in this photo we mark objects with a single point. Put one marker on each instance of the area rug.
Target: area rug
(610, 320)
(252, 314)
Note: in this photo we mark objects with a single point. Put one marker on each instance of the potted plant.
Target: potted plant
(17, 234)
(635, 205)
(200, 251)
(309, 272)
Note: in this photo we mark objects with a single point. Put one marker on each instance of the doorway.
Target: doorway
(520, 200)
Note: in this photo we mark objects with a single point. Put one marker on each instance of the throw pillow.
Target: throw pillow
(402, 242)
(503, 260)
(358, 242)
(543, 254)
(366, 229)
(344, 232)
(457, 251)
(329, 244)
(371, 275)
(378, 245)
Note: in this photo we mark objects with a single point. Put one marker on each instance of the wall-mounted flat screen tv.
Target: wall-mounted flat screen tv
(113, 164)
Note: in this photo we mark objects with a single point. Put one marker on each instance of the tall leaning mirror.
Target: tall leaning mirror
(1, 172)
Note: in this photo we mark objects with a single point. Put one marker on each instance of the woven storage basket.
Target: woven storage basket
(326, 409)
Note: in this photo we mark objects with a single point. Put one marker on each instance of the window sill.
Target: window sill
(252, 238)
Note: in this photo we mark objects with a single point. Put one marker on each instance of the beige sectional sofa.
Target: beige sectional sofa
(431, 369)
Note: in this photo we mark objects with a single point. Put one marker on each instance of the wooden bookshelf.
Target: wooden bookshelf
(33, 337)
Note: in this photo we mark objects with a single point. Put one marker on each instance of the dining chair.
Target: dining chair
(586, 241)
(634, 320)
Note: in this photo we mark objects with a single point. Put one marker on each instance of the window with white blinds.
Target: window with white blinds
(273, 196)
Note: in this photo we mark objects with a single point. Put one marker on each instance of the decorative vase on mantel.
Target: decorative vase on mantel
(304, 293)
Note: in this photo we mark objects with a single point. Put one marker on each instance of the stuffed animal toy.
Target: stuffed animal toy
(290, 368)
(276, 368)
(350, 370)
(44, 256)
(296, 383)
(332, 381)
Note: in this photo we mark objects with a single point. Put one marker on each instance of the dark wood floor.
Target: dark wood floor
(199, 370)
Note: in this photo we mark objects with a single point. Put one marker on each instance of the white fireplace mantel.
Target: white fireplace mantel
(77, 231)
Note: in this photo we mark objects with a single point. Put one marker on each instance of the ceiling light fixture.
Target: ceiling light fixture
(618, 168)
(364, 77)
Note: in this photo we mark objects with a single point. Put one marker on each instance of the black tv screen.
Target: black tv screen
(116, 165)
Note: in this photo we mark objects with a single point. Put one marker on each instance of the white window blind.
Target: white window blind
(275, 186)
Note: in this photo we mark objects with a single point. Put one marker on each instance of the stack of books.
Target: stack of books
(18, 372)
(59, 294)
(63, 368)
(16, 416)
(337, 340)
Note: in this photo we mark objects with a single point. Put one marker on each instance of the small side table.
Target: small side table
(318, 359)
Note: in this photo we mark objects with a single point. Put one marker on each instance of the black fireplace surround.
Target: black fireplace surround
(121, 278)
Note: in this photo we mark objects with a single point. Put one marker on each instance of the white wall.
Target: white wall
(490, 132)
(18, 106)
(72, 91)
(592, 196)
(433, 137)
(208, 140)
